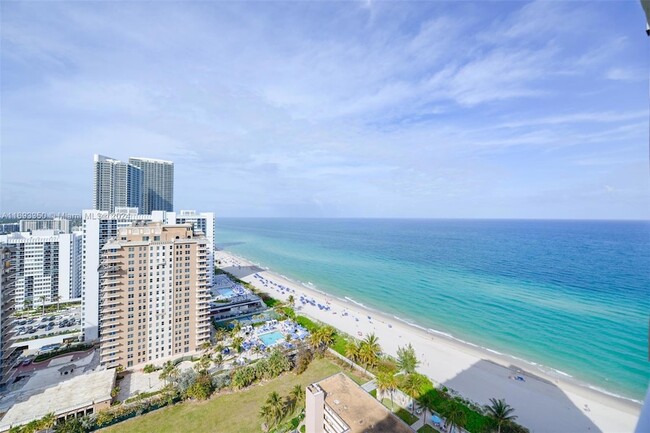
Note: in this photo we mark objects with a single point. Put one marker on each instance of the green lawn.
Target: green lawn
(232, 413)
(427, 429)
(404, 414)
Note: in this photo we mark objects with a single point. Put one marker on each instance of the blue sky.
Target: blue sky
(377, 109)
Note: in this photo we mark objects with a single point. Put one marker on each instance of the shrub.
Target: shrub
(149, 368)
(303, 359)
(202, 387)
(69, 349)
(220, 382)
(184, 380)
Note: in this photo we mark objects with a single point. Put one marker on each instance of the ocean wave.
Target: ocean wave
(601, 390)
(355, 302)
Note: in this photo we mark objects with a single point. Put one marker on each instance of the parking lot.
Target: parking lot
(63, 321)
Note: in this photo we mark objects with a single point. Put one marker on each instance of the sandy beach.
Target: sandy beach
(542, 403)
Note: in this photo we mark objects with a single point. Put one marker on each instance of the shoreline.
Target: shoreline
(543, 401)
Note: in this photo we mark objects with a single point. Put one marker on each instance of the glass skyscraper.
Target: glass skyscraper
(157, 184)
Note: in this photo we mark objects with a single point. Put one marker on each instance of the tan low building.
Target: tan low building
(83, 395)
(338, 405)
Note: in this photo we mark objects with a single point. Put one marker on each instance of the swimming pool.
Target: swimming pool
(271, 338)
(226, 293)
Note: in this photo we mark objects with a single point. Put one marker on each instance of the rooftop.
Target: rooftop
(76, 393)
(159, 161)
(358, 409)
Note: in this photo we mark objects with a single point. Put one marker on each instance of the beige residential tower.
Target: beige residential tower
(153, 295)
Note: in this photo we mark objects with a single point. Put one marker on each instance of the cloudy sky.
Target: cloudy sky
(377, 109)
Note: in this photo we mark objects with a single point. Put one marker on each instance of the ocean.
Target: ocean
(572, 297)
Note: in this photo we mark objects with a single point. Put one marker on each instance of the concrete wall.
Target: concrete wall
(314, 409)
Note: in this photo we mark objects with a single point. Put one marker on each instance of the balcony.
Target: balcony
(110, 326)
(110, 302)
(108, 309)
(110, 339)
(108, 352)
(108, 267)
(110, 317)
(111, 359)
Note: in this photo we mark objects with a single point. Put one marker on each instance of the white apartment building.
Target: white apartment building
(116, 184)
(60, 224)
(46, 266)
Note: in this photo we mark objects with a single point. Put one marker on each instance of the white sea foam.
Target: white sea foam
(359, 304)
(595, 388)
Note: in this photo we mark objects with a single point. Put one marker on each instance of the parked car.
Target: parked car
(27, 361)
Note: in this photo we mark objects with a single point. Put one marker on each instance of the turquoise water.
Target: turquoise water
(572, 296)
(271, 338)
(228, 293)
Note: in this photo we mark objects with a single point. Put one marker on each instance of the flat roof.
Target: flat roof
(359, 410)
(70, 395)
(161, 161)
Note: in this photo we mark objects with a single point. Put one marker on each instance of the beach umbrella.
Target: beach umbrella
(435, 419)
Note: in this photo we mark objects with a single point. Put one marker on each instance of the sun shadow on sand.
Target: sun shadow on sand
(537, 401)
(243, 271)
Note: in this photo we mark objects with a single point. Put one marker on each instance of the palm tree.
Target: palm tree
(217, 360)
(426, 402)
(28, 304)
(322, 337)
(237, 342)
(295, 398)
(279, 307)
(501, 412)
(352, 351)
(291, 300)
(42, 298)
(412, 386)
(57, 299)
(236, 328)
(369, 350)
(203, 363)
(169, 372)
(387, 382)
(206, 345)
(266, 413)
(456, 419)
(407, 361)
(297, 393)
(47, 422)
(273, 409)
